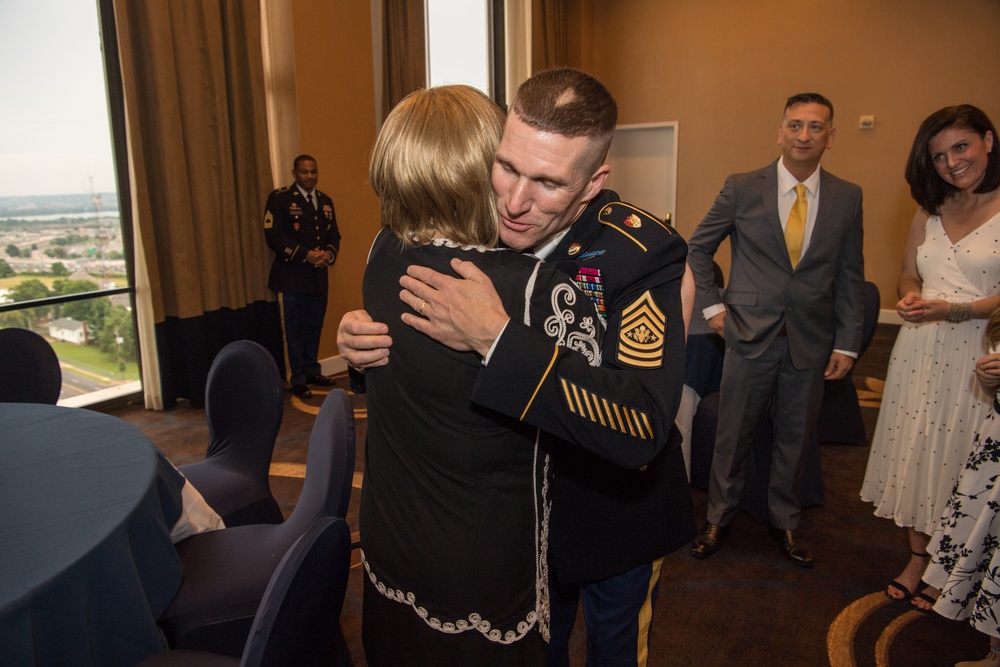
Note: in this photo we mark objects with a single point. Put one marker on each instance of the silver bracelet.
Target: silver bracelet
(959, 312)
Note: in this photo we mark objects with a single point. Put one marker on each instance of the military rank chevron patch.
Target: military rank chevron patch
(640, 337)
(585, 403)
(268, 220)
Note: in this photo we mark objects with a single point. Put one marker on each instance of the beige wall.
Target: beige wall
(336, 104)
(723, 69)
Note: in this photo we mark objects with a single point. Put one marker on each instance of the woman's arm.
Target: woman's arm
(910, 306)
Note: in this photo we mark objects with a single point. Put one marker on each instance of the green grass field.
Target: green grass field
(13, 281)
(85, 360)
(89, 360)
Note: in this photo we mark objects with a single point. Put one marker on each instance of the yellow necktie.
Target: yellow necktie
(795, 228)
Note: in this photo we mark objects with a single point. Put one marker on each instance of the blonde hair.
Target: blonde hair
(431, 166)
(993, 329)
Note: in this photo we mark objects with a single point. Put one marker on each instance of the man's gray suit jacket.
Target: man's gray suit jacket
(820, 302)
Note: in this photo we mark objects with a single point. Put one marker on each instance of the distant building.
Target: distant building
(69, 330)
(82, 275)
(122, 300)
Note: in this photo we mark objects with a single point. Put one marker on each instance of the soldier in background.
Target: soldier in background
(301, 228)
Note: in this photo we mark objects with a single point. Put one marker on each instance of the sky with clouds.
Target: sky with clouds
(54, 134)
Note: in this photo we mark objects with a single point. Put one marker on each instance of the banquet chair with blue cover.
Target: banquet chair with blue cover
(29, 368)
(298, 620)
(244, 403)
(840, 421)
(226, 571)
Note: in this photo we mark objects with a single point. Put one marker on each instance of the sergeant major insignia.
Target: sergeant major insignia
(642, 332)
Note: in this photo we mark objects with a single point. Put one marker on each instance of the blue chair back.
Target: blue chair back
(244, 404)
(298, 619)
(227, 571)
(298, 622)
(29, 368)
(330, 462)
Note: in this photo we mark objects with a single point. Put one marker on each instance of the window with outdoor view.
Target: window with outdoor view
(60, 225)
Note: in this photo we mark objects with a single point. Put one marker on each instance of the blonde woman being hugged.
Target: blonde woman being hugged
(948, 287)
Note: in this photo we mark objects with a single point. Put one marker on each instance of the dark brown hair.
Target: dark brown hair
(571, 103)
(809, 98)
(926, 186)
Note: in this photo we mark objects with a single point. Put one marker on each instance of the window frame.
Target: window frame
(119, 147)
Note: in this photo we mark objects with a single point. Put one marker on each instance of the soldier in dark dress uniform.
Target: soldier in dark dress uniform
(301, 228)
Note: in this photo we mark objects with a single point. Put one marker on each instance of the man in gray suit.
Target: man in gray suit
(791, 314)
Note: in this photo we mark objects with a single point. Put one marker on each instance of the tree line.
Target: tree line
(105, 322)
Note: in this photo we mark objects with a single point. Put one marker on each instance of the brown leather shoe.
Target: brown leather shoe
(709, 541)
(794, 549)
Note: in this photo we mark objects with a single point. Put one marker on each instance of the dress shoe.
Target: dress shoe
(709, 541)
(794, 549)
(321, 381)
(302, 391)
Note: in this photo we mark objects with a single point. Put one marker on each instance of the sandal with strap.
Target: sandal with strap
(907, 593)
(922, 595)
(899, 587)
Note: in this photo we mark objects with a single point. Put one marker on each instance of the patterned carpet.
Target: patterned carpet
(747, 605)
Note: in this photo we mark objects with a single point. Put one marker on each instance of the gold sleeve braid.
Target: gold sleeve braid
(585, 403)
(541, 381)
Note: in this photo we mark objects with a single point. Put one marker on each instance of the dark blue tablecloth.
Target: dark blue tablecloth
(86, 560)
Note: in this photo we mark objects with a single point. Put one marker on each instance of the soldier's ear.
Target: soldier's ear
(596, 183)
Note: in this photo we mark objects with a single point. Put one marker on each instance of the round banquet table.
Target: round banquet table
(86, 560)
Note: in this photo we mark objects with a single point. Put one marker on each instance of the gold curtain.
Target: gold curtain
(403, 44)
(551, 45)
(192, 73)
(193, 77)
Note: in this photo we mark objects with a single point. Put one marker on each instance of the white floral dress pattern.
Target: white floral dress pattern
(965, 564)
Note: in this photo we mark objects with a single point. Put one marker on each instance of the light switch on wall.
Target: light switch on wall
(867, 123)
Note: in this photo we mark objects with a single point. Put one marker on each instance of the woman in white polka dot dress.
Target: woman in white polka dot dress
(948, 287)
